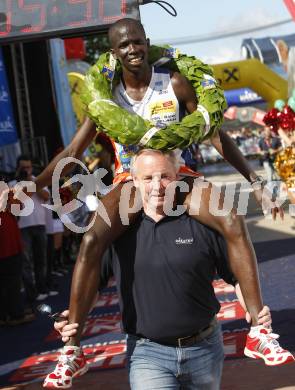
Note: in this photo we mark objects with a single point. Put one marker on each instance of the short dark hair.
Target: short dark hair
(123, 22)
(23, 157)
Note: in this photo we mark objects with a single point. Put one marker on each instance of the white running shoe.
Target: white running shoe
(262, 344)
(71, 363)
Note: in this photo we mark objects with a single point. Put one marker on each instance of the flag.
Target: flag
(8, 132)
(290, 4)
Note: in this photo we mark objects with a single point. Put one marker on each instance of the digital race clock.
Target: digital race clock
(41, 19)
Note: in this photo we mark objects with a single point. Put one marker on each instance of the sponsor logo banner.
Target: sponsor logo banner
(8, 132)
(231, 311)
(221, 287)
(234, 343)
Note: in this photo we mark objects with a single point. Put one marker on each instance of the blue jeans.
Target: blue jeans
(154, 366)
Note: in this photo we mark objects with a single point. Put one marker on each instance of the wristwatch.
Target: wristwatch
(258, 183)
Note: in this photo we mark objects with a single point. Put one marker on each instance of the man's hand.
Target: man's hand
(65, 329)
(264, 317)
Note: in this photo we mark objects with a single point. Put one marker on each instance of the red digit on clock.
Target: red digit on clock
(34, 9)
(87, 14)
(7, 25)
(113, 18)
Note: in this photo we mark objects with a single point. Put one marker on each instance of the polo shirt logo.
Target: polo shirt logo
(184, 241)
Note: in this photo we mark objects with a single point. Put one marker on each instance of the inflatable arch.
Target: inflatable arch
(253, 74)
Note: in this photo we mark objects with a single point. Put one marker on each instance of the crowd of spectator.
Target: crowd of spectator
(246, 138)
(26, 254)
(36, 250)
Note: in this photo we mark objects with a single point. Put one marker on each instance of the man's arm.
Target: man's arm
(79, 143)
(264, 317)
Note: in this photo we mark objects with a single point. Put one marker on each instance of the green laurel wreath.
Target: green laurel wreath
(128, 129)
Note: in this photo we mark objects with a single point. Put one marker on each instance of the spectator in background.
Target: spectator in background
(11, 303)
(58, 234)
(192, 156)
(241, 136)
(189, 159)
(269, 146)
(34, 236)
(54, 231)
(288, 141)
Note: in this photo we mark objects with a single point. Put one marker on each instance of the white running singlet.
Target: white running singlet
(159, 104)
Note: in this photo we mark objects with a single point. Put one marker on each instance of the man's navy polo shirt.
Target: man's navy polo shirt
(164, 274)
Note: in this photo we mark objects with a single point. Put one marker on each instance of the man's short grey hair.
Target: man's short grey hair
(170, 155)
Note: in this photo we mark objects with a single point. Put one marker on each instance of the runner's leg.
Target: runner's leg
(241, 254)
(86, 274)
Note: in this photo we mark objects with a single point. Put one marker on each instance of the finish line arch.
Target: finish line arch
(253, 74)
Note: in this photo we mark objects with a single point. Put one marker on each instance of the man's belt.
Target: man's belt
(189, 341)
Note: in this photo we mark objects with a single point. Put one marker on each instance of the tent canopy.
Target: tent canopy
(266, 49)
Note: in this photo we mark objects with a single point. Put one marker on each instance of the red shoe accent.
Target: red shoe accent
(71, 363)
(264, 345)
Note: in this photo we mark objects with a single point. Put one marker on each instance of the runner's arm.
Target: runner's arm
(79, 143)
(225, 146)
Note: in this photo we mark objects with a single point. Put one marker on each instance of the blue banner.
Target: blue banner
(242, 97)
(8, 133)
(66, 114)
